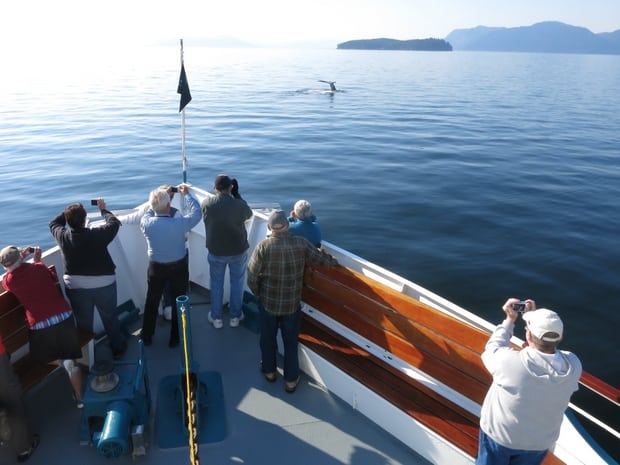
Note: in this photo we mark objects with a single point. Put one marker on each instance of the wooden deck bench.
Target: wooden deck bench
(14, 333)
(414, 332)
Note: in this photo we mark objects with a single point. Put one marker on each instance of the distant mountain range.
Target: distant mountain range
(545, 37)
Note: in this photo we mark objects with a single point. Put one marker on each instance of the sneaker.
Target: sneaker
(217, 322)
(234, 322)
(79, 403)
(168, 313)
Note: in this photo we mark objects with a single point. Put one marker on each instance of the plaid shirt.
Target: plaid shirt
(276, 270)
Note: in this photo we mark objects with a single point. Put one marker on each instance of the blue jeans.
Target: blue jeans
(237, 265)
(289, 327)
(83, 303)
(491, 453)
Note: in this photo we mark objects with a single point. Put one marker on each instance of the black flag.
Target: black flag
(183, 89)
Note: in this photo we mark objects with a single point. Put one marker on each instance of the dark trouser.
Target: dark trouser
(11, 401)
(289, 328)
(160, 274)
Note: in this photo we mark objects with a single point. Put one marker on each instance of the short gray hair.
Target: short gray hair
(303, 209)
(159, 199)
(546, 346)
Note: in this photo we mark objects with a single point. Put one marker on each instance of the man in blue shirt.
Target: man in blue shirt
(165, 237)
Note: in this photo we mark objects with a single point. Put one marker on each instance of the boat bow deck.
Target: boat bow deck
(265, 425)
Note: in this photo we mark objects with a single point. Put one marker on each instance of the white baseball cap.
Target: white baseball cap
(543, 321)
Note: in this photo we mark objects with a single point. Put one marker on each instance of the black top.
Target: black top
(85, 250)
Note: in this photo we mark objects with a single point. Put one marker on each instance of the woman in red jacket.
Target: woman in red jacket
(53, 335)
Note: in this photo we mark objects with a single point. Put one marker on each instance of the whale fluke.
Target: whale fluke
(332, 87)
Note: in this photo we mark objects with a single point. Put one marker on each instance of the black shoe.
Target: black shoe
(26, 455)
(148, 340)
(291, 386)
(173, 343)
(118, 354)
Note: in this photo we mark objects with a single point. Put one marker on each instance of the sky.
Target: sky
(68, 26)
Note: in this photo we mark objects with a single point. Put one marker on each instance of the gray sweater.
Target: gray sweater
(525, 404)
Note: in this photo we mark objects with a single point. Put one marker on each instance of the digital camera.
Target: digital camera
(519, 306)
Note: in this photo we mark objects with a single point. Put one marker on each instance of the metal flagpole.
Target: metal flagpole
(184, 160)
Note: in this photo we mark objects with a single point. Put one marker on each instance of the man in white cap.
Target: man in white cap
(523, 409)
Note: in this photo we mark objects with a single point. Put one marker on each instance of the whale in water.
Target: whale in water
(332, 87)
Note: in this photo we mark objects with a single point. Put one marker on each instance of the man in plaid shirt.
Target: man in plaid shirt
(275, 276)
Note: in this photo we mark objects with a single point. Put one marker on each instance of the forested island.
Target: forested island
(435, 45)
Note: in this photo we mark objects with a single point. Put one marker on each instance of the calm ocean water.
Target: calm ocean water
(477, 175)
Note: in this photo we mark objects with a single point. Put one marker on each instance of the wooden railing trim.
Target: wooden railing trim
(399, 302)
(398, 323)
(361, 308)
(394, 387)
(426, 361)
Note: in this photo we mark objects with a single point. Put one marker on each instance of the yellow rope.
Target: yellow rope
(193, 447)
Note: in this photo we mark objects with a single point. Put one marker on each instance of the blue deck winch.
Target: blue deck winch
(116, 407)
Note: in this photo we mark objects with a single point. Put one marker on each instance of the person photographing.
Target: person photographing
(524, 407)
(168, 259)
(224, 215)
